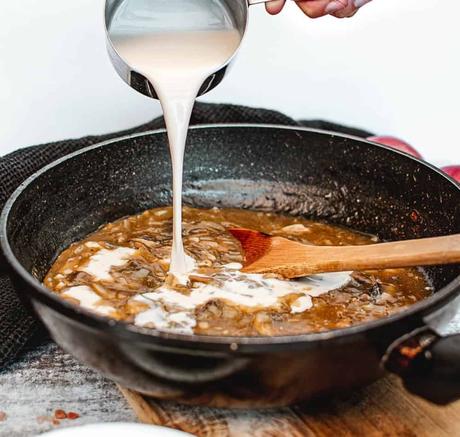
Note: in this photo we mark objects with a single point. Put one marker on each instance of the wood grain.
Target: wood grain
(45, 379)
(382, 409)
(291, 259)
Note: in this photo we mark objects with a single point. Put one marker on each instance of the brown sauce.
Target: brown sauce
(122, 287)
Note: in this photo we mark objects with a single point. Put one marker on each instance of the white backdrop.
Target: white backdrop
(394, 69)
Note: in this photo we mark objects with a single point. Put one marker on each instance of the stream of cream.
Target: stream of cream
(177, 64)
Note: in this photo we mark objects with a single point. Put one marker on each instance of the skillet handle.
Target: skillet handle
(429, 364)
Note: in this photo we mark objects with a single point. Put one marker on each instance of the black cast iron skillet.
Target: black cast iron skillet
(320, 175)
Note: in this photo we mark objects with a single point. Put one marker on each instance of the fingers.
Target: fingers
(344, 8)
(348, 11)
(275, 7)
(320, 8)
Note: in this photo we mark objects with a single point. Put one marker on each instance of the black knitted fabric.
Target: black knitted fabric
(17, 325)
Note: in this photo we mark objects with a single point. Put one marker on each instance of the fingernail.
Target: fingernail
(359, 3)
(334, 6)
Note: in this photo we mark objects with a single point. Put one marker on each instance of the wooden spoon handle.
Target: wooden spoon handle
(409, 253)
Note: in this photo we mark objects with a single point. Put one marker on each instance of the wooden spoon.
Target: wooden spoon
(290, 259)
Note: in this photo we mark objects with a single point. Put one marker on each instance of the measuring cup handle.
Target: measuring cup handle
(254, 2)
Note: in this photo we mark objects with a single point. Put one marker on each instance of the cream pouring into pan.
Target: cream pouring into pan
(175, 50)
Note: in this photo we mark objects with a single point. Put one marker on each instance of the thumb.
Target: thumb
(274, 7)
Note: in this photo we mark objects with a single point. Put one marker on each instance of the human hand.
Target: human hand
(320, 8)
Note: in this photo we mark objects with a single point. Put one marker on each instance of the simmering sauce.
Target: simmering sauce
(123, 271)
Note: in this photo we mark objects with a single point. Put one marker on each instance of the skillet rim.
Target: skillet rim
(122, 329)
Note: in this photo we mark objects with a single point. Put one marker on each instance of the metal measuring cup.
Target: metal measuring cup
(239, 14)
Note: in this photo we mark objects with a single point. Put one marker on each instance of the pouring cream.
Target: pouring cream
(176, 63)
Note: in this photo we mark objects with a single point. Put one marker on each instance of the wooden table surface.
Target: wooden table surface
(46, 379)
